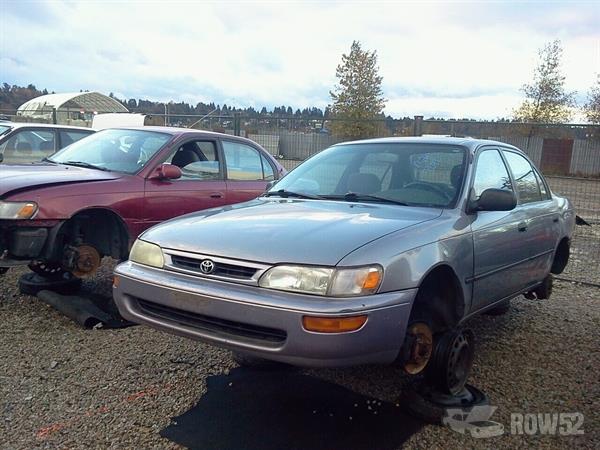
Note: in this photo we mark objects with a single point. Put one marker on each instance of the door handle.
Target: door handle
(555, 220)
(522, 226)
(216, 195)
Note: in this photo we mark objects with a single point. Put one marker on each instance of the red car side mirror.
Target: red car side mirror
(166, 172)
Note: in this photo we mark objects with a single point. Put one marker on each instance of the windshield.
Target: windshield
(411, 174)
(3, 129)
(116, 150)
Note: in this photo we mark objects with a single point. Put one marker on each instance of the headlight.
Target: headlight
(323, 281)
(146, 253)
(17, 210)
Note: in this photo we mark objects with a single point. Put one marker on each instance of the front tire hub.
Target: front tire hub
(87, 260)
(46, 269)
(452, 361)
(420, 345)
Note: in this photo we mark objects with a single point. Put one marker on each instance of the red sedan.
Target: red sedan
(93, 198)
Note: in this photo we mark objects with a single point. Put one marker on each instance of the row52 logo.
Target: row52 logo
(476, 421)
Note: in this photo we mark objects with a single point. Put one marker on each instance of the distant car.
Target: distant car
(22, 143)
(369, 252)
(93, 198)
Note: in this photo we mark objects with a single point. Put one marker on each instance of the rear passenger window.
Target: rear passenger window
(243, 162)
(68, 137)
(490, 173)
(269, 173)
(526, 182)
(542, 185)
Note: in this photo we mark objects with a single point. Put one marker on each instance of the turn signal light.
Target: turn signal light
(372, 280)
(27, 211)
(333, 324)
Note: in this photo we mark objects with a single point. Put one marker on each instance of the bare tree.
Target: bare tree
(546, 100)
(358, 98)
(592, 108)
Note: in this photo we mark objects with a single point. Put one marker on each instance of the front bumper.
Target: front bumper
(262, 322)
(23, 241)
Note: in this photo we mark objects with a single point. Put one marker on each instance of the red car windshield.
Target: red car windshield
(116, 150)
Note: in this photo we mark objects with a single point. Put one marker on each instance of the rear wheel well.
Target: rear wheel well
(439, 300)
(561, 256)
(101, 228)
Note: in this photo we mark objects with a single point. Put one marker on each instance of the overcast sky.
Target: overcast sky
(443, 59)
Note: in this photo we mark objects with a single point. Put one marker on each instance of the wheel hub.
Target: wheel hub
(421, 346)
(47, 269)
(87, 260)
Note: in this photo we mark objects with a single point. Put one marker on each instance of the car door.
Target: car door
(536, 214)
(497, 239)
(201, 186)
(248, 171)
(28, 145)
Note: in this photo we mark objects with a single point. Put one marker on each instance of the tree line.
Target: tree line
(11, 97)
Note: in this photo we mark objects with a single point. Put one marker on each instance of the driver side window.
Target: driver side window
(490, 173)
(198, 160)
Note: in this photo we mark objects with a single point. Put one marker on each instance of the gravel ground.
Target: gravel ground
(63, 386)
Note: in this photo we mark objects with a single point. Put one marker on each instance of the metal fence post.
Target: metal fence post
(418, 126)
(236, 124)
(54, 120)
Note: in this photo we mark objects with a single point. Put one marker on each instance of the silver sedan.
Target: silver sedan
(362, 254)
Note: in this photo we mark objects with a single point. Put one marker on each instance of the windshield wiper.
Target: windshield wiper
(285, 194)
(84, 164)
(356, 197)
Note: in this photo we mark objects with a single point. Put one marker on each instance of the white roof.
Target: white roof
(88, 101)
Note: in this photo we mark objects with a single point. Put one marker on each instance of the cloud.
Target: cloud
(442, 59)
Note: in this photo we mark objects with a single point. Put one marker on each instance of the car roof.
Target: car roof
(178, 131)
(43, 125)
(470, 143)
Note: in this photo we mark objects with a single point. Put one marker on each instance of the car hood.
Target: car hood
(294, 231)
(15, 178)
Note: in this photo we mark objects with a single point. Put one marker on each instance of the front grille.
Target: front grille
(220, 270)
(226, 328)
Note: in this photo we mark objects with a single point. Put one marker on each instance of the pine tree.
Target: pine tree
(358, 98)
(546, 100)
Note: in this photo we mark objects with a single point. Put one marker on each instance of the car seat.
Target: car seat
(24, 148)
(47, 146)
(363, 183)
(185, 155)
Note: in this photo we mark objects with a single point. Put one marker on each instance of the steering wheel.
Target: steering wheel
(430, 188)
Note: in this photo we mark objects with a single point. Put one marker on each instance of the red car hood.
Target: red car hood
(15, 178)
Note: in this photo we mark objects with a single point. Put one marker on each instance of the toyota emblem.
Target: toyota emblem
(207, 266)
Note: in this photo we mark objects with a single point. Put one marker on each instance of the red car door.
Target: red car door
(248, 171)
(201, 186)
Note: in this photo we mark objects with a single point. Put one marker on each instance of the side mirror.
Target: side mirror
(494, 200)
(166, 172)
(270, 184)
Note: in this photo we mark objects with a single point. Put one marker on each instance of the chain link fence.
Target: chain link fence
(567, 154)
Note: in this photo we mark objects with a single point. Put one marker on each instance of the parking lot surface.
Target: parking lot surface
(64, 386)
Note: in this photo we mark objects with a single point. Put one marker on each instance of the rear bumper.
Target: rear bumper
(262, 322)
